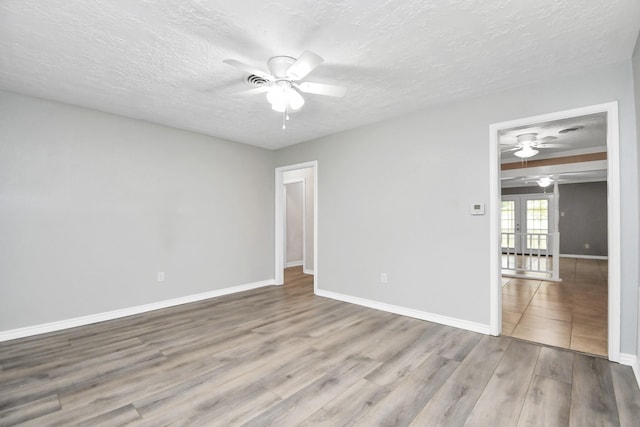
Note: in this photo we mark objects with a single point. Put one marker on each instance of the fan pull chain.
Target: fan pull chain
(285, 116)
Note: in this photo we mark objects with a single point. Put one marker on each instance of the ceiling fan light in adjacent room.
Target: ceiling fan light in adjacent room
(526, 152)
(545, 182)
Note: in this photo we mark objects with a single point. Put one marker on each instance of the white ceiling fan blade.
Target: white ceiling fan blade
(248, 68)
(306, 63)
(553, 146)
(547, 138)
(255, 91)
(322, 89)
(507, 149)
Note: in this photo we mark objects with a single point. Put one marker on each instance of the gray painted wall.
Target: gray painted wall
(93, 205)
(584, 206)
(382, 205)
(583, 218)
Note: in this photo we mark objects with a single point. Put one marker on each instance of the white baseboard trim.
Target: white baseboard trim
(308, 271)
(584, 256)
(633, 361)
(116, 314)
(294, 264)
(409, 312)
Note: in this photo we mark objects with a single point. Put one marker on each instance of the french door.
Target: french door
(526, 223)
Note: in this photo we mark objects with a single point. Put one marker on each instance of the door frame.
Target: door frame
(279, 220)
(613, 212)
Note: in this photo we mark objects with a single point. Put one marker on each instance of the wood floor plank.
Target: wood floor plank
(627, 394)
(301, 405)
(118, 391)
(126, 415)
(451, 406)
(478, 367)
(225, 403)
(406, 400)
(547, 404)
(347, 408)
(290, 377)
(555, 364)
(503, 397)
(402, 364)
(592, 400)
(32, 409)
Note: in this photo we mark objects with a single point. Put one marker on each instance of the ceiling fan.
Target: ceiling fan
(528, 145)
(282, 83)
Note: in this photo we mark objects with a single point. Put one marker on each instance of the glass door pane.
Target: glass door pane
(508, 223)
(537, 223)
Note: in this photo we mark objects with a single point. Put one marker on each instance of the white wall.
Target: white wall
(307, 175)
(93, 205)
(395, 198)
(295, 223)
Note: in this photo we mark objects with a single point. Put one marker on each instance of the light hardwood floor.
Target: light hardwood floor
(282, 356)
(571, 314)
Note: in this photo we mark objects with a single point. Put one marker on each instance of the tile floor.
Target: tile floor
(571, 314)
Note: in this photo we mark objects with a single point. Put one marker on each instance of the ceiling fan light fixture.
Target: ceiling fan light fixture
(526, 152)
(283, 97)
(545, 182)
(295, 100)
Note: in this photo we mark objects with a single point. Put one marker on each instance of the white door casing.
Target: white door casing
(613, 214)
(280, 224)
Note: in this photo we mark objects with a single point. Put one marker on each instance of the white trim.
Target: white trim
(584, 256)
(116, 314)
(409, 312)
(633, 361)
(495, 244)
(308, 271)
(279, 225)
(294, 263)
(613, 212)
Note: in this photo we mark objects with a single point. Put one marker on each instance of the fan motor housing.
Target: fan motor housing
(278, 65)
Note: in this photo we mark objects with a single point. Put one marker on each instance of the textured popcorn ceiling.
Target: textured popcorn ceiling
(161, 60)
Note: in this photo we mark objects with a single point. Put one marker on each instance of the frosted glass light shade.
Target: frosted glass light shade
(283, 97)
(526, 152)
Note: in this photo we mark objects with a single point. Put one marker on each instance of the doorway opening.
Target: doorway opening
(296, 213)
(548, 155)
(295, 239)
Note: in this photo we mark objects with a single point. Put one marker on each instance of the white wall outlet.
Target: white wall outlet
(383, 278)
(586, 246)
(160, 276)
